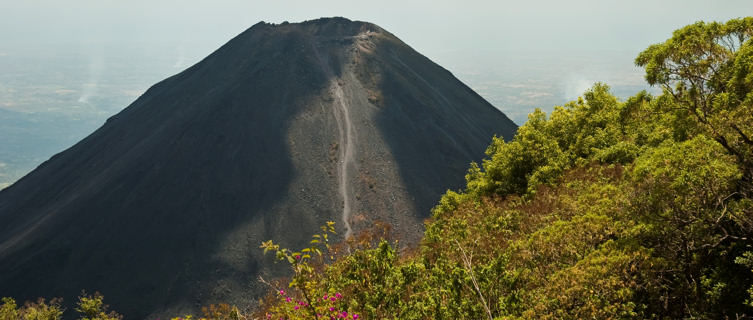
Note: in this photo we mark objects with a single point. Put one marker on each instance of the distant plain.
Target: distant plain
(52, 96)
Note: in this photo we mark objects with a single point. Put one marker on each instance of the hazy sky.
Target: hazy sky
(428, 26)
(551, 51)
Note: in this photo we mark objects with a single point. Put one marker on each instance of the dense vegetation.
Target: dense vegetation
(88, 306)
(604, 209)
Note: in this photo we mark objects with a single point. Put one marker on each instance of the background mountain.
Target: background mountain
(286, 126)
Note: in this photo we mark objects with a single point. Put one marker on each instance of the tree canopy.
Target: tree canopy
(707, 70)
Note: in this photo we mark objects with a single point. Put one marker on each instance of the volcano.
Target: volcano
(283, 128)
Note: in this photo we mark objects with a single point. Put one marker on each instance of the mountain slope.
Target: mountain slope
(281, 129)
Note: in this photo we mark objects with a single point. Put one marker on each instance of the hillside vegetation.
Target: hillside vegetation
(603, 209)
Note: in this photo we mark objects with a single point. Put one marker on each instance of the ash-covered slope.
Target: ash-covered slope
(286, 126)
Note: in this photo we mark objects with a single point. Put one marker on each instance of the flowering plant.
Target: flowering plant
(308, 298)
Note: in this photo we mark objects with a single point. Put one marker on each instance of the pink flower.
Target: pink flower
(338, 295)
(296, 307)
(331, 308)
(282, 292)
(332, 298)
(355, 316)
(298, 257)
(288, 299)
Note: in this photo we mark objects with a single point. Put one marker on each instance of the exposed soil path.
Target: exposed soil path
(347, 159)
(346, 145)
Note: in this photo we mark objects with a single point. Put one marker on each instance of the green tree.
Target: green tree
(42, 310)
(9, 309)
(92, 307)
(707, 70)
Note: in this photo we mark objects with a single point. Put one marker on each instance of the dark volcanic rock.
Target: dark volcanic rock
(287, 126)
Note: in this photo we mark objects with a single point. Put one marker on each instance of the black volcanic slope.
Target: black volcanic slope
(286, 126)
